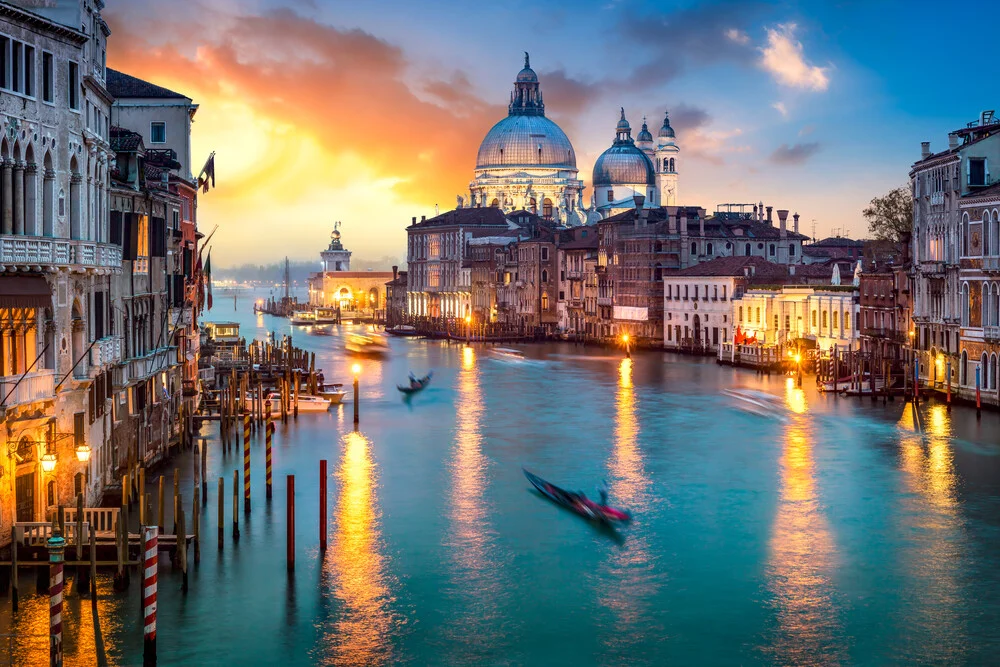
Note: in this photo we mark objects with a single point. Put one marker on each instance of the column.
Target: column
(75, 202)
(18, 201)
(48, 203)
(30, 198)
(7, 188)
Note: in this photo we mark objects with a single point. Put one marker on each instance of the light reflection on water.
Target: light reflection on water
(803, 555)
(931, 513)
(362, 633)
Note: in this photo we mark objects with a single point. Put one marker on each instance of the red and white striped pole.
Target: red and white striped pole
(246, 462)
(150, 561)
(268, 434)
(56, 546)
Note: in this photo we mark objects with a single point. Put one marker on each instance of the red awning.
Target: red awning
(24, 292)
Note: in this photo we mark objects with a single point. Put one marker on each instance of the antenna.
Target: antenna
(814, 230)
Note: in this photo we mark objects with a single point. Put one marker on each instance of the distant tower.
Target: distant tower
(667, 162)
(335, 257)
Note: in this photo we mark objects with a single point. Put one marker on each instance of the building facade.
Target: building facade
(58, 266)
(810, 316)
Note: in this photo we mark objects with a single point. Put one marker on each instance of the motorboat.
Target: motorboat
(333, 392)
(415, 384)
(577, 502)
(321, 330)
(370, 343)
(303, 318)
(402, 330)
(307, 403)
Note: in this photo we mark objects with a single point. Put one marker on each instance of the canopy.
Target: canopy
(24, 292)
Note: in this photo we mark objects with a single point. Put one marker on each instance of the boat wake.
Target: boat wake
(758, 403)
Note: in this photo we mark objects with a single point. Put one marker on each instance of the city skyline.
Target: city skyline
(320, 112)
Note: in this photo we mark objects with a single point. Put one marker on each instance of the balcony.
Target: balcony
(991, 264)
(991, 333)
(37, 386)
(106, 351)
(32, 253)
(932, 268)
(604, 301)
(574, 275)
(887, 334)
(140, 368)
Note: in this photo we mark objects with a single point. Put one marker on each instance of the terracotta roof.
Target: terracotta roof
(487, 217)
(837, 242)
(734, 266)
(984, 192)
(125, 85)
(123, 140)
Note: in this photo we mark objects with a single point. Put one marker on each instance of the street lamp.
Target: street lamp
(83, 452)
(628, 351)
(468, 328)
(48, 461)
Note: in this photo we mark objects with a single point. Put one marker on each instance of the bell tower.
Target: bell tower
(667, 163)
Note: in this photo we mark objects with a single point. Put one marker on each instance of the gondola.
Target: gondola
(414, 387)
(577, 502)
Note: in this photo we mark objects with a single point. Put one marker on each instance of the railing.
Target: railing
(574, 275)
(106, 351)
(36, 386)
(932, 267)
(888, 334)
(604, 301)
(143, 367)
(991, 264)
(991, 333)
(42, 251)
(103, 519)
(37, 533)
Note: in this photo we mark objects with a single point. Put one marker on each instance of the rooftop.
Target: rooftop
(122, 85)
(477, 217)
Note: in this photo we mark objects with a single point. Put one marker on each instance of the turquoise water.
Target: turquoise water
(824, 531)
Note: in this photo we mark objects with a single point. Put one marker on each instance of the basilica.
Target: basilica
(526, 162)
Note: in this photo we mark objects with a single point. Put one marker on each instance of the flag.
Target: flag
(738, 338)
(208, 278)
(200, 296)
(207, 173)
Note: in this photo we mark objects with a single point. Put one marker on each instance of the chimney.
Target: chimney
(952, 141)
(672, 222)
(760, 212)
(395, 272)
(795, 226)
(770, 222)
(925, 150)
(414, 220)
(422, 218)
(638, 200)
(783, 222)
(701, 226)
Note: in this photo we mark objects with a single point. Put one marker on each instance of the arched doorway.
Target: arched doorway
(697, 329)
(963, 370)
(344, 298)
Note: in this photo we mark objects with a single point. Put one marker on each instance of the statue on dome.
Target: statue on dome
(461, 201)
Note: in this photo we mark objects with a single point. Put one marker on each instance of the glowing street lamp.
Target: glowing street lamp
(83, 452)
(628, 351)
(48, 461)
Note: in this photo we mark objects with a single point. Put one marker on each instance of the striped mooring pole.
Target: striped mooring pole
(246, 462)
(56, 546)
(268, 434)
(150, 561)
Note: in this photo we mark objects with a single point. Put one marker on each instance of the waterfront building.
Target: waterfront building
(810, 316)
(58, 338)
(527, 162)
(353, 293)
(577, 305)
(486, 260)
(939, 181)
(980, 276)
(395, 298)
(884, 310)
(439, 282)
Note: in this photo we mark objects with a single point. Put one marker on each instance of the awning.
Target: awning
(24, 292)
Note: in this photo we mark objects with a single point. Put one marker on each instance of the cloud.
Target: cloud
(737, 36)
(685, 118)
(794, 154)
(784, 59)
(807, 130)
(780, 108)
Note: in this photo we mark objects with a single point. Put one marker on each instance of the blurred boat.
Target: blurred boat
(371, 343)
(508, 353)
(325, 315)
(322, 330)
(577, 502)
(402, 330)
(303, 318)
(415, 385)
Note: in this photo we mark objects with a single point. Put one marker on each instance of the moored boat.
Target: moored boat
(303, 318)
(402, 330)
(307, 403)
(333, 393)
(325, 315)
(577, 502)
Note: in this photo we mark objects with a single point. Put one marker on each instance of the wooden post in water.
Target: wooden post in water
(13, 569)
(93, 572)
(56, 546)
(159, 506)
(222, 511)
(322, 505)
(196, 524)
(295, 388)
(203, 451)
(182, 546)
(177, 495)
(268, 435)
(246, 462)
(150, 563)
(236, 506)
(290, 524)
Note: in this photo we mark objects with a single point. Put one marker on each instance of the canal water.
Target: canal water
(782, 527)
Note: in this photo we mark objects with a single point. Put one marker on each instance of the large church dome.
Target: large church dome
(624, 163)
(526, 141)
(526, 138)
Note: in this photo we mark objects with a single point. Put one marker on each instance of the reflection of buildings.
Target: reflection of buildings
(361, 635)
(336, 286)
(802, 554)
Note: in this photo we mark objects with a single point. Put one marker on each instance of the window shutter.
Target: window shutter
(78, 429)
(116, 227)
(130, 240)
(90, 396)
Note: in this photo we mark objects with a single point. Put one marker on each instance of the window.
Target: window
(545, 254)
(708, 249)
(791, 250)
(788, 322)
(758, 316)
(157, 132)
(50, 492)
(770, 250)
(741, 313)
(694, 248)
(545, 276)
(17, 66)
(545, 301)
(611, 195)
(814, 318)
(73, 94)
(747, 250)
(4, 62)
(977, 170)
(141, 264)
(29, 71)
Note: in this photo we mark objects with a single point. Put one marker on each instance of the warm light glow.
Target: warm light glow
(468, 358)
(911, 333)
(798, 358)
(468, 319)
(625, 373)
(48, 462)
(356, 369)
(83, 453)
(625, 338)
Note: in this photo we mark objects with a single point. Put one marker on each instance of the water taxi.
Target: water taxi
(326, 316)
(303, 318)
(367, 344)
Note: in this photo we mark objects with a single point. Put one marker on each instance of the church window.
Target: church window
(547, 208)
(533, 205)
(758, 315)
(611, 195)
(694, 248)
(814, 318)
(671, 164)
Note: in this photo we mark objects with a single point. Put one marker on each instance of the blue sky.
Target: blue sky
(815, 107)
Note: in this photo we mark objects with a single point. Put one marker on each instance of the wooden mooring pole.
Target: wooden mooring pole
(290, 524)
(236, 506)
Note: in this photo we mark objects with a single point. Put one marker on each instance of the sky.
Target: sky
(370, 113)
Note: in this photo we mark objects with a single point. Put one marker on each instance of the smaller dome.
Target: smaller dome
(644, 134)
(623, 164)
(527, 75)
(666, 131)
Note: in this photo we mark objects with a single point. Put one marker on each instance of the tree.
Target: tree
(890, 217)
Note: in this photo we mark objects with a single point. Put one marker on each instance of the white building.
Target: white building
(786, 315)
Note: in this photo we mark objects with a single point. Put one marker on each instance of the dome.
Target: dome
(666, 131)
(644, 134)
(623, 125)
(526, 141)
(527, 75)
(623, 164)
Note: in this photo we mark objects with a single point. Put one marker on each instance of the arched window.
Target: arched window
(545, 276)
(984, 363)
(708, 249)
(75, 187)
(758, 315)
(847, 321)
(987, 224)
(671, 164)
(546, 208)
(964, 231)
(741, 313)
(611, 196)
(533, 205)
(814, 318)
(495, 203)
(770, 250)
(545, 301)
(965, 304)
(694, 248)
(824, 319)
